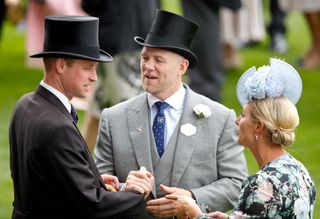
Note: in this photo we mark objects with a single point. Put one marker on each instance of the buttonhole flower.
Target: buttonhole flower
(202, 111)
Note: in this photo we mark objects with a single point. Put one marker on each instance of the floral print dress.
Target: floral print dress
(282, 189)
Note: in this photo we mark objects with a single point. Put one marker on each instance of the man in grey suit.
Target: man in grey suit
(186, 140)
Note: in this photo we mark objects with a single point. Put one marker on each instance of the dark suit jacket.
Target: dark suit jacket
(53, 173)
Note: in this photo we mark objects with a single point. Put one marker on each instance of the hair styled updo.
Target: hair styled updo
(280, 117)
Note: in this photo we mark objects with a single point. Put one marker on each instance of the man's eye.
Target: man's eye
(144, 58)
(160, 60)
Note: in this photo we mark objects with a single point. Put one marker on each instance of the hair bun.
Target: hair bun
(283, 137)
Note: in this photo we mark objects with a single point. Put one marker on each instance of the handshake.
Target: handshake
(141, 181)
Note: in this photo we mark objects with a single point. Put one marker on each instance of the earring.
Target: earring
(257, 137)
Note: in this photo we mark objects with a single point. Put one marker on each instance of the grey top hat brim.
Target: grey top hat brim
(192, 58)
(103, 56)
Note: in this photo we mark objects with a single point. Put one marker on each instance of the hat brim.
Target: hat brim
(192, 58)
(293, 83)
(290, 77)
(241, 86)
(103, 56)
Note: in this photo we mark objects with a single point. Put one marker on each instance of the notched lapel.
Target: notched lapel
(54, 100)
(186, 144)
(140, 137)
(184, 149)
(138, 124)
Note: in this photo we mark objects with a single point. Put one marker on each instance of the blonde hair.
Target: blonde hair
(280, 117)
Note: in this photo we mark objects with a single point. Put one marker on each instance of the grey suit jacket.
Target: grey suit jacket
(209, 163)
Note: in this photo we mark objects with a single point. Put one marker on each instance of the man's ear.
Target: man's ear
(60, 64)
(184, 64)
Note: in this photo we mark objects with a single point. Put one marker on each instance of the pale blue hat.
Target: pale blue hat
(275, 80)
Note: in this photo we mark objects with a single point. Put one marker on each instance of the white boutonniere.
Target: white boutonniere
(202, 111)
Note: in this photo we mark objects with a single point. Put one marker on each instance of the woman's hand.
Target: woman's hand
(218, 215)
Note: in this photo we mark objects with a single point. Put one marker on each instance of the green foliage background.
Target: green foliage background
(16, 79)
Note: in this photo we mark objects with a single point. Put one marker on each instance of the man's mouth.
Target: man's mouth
(150, 77)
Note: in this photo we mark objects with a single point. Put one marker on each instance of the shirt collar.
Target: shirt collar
(58, 94)
(175, 101)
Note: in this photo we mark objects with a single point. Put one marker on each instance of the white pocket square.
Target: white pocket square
(188, 129)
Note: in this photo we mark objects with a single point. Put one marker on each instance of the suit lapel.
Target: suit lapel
(138, 122)
(186, 144)
(54, 100)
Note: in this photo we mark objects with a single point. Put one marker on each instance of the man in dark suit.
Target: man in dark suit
(54, 175)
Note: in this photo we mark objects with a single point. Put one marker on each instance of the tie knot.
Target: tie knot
(161, 105)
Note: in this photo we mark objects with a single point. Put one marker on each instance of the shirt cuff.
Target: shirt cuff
(122, 188)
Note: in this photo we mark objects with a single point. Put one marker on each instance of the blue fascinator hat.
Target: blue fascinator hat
(274, 80)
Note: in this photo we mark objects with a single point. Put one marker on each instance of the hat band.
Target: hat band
(91, 51)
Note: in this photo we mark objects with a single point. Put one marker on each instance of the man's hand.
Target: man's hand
(175, 191)
(140, 181)
(163, 207)
(111, 182)
(187, 204)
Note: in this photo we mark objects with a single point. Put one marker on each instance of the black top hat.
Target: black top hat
(172, 32)
(72, 36)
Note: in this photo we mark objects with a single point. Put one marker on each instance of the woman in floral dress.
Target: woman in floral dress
(283, 187)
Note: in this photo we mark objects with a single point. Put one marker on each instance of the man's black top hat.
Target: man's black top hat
(74, 37)
(171, 32)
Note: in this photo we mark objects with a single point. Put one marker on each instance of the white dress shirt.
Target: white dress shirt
(172, 113)
(58, 94)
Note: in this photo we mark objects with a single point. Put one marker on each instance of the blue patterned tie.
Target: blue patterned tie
(74, 115)
(158, 127)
